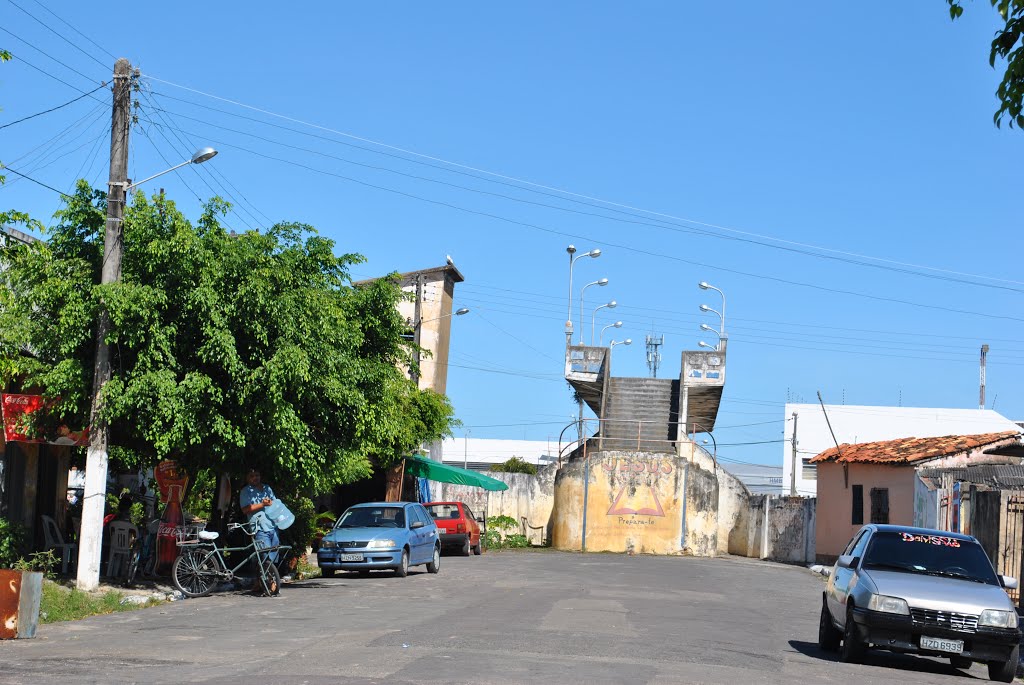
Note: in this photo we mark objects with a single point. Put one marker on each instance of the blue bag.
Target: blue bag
(277, 512)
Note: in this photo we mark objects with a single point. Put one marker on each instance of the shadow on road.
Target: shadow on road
(883, 659)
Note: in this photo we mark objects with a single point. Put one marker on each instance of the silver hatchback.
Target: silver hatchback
(922, 591)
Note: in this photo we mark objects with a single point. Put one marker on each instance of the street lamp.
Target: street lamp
(572, 260)
(704, 285)
(705, 345)
(602, 282)
(611, 305)
(198, 157)
(617, 324)
(611, 347)
(709, 329)
(705, 308)
(713, 442)
(94, 499)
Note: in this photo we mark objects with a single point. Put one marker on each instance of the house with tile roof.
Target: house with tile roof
(879, 482)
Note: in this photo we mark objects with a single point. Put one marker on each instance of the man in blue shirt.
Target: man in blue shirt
(254, 499)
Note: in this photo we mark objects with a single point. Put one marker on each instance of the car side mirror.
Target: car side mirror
(417, 524)
(1009, 582)
(847, 561)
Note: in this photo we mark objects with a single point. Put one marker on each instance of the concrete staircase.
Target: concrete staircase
(640, 414)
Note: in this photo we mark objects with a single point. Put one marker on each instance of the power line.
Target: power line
(70, 26)
(49, 187)
(54, 109)
(570, 193)
(46, 54)
(56, 33)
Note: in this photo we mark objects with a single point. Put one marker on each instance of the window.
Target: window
(862, 543)
(879, 505)
(810, 471)
(857, 516)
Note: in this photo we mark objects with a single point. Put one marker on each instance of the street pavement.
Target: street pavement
(505, 617)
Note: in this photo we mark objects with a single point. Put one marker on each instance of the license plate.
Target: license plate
(351, 557)
(942, 645)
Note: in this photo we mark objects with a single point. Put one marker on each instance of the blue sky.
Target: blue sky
(732, 138)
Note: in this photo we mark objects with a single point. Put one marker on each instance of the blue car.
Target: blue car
(381, 536)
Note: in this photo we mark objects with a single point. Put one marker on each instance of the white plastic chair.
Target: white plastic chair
(54, 540)
(121, 535)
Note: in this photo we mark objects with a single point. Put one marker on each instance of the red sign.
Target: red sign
(27, 419)
(172, 481)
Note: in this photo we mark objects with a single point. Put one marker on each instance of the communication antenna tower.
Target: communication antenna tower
(653, 353)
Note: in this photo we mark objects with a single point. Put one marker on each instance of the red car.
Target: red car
(457, 526)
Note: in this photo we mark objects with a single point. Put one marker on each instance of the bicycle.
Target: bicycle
(200, 564)
(143, 556)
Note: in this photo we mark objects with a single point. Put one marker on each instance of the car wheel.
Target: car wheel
(465, 547)
(853, 649)
(434, 565)
(326, 572)
(1004, 671)
(960, 662)
(478, 548)
(828, 635)
(403, 569)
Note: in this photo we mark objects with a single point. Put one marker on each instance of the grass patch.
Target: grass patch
(59, 603)
(304, 569)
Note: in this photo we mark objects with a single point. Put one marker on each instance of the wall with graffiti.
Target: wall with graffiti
(634, 503)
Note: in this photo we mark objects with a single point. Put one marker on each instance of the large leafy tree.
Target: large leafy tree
(227, 349)
(1007, 45)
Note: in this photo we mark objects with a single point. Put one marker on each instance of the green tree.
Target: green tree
(228, 350)
(515, 465)
(1007, 45)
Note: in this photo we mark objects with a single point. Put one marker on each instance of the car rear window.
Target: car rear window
(444, 511)
(929, 554)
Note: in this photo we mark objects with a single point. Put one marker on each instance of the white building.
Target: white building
(855, 424)
(480, 453)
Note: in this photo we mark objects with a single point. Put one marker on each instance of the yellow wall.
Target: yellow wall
(634, 503)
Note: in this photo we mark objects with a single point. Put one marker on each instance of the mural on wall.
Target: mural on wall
(637, 496)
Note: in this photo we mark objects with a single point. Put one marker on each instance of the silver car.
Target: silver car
(923, 591)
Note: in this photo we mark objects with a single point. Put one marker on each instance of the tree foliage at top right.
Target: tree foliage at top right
(1009, 46)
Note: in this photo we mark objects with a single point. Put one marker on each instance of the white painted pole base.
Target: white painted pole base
(91, 534)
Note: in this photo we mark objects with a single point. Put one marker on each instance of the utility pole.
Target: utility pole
(113, 249)
(792, 475)
(981, 394)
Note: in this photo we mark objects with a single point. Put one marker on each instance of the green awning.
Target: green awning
(443, 473)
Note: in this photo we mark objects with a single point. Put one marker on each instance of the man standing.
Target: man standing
(254, 499)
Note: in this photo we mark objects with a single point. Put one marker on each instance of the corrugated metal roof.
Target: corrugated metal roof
(992, 475)
(910, 450)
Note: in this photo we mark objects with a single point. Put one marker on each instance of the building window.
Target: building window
(810, 471)
(857, 517)
(879, 505)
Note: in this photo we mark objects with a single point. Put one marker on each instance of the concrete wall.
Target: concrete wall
(835, 508)
(779, 529)
(528, 500)
(634, 502)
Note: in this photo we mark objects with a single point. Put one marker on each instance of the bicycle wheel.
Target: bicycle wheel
(195, 572)
(134, 562)
(271, 579)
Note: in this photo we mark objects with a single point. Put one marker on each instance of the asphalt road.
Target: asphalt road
(505, 617)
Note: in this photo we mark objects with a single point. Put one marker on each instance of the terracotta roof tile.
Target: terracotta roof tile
(909, 450)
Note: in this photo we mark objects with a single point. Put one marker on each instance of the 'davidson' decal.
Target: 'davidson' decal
(931, 539)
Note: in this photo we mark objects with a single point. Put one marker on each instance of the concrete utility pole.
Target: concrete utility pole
(981, 394)
(113, 249)
(792, 475)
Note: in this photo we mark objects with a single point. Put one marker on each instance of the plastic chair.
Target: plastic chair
(122, 535)
(54, 540)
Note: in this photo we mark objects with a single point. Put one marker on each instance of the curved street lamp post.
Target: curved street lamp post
(602, 282)
(617, 324)
(611, 305)
(595, 253)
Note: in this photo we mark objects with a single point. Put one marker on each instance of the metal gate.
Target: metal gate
(1010, 539)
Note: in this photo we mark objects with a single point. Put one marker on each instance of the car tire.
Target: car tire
(1004, 671)
(960, 662)
(478, 548)
(434, 565)
(326, 572)
(403, 568)
(829, 636)
(465, 547)
(853, 649)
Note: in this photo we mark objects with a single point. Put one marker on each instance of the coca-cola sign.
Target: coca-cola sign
(27, 419)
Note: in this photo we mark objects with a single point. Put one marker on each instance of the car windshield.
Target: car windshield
(373, 517)
(443, 511)
(929, 554)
